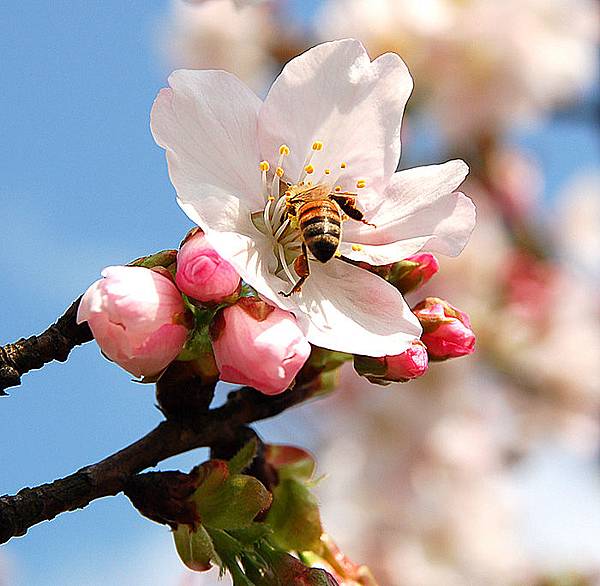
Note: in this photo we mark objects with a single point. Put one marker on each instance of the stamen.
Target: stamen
(279, 171)
(361, 183)
(284, 264)
(316, 146)
(327, 171)
(279, 207)
(282, 228)
(266, 217)
(264, 167)
(356, 247)
(343, 165)
(338, 188)
(284, 150)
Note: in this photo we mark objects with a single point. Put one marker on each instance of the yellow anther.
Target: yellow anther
(271, 198)
(288, 194)
(309, 169)
(360, 183)
(317, 145)
(356, 247)
(264, 165)
(301, 184)
(309, 183)
(338, 188)
(284, 149)
(327, 171)
(279, 172)
(343, 166)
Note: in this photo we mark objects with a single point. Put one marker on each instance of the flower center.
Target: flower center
(277, 220)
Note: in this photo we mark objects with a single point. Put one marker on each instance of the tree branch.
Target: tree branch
(54, 344)
(110, 476)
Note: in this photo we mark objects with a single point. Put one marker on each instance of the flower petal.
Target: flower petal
(418, 211)
(351, 310)
(207, 123)
(333, 93)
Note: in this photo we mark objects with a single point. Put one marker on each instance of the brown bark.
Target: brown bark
(112, 475)
(54, 344)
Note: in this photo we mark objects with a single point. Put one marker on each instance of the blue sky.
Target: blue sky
(83, 186)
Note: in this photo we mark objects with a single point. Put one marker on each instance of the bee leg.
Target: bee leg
(347, 203)
(302, 270)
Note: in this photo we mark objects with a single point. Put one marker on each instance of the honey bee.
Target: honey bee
(318, 212)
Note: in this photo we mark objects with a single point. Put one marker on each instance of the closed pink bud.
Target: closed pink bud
(202, 274)
(258, 345)
(411, 273)
(412, 363)
(136, 316)
(447, 331)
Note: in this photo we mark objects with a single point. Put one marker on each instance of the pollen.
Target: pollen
(361, 183)
(284, 150)
(279, 171)
(343, 166)
(264, 165)
(356, 247)
(309, 169)
(317, 145)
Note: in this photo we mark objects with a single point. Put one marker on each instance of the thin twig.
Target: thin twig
(54, 344)
(31, 506)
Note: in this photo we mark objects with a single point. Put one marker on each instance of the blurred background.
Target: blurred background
(484, 472)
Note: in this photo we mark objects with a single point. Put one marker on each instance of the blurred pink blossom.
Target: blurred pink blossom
(202, 274)
(447, 331)
(258, 345)
(137, 317)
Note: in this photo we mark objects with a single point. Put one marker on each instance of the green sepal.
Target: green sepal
(195, 548)
(294, 517)
(244, 457)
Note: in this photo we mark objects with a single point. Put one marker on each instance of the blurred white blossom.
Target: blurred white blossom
(480, 63)
(218, 35)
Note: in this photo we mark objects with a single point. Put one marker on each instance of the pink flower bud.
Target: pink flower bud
(447, 331)
(412, 363)
(136, 316)
(413, 272)
(258, 345)
(202, 274)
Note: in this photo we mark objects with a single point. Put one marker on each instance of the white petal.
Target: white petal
(334, 94)
(207, 122)
(253, 258)
(418, 211)
(351, 310)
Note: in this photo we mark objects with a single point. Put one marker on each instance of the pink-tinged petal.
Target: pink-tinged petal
(135, 315)
(207, 122)
(418, 211)
(254, 260)
(158, 351)
(333, 93)
(352, 310)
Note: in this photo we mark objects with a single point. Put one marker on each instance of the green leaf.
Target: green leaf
(244, 457)
(195, 548)
(294, 517)
(252, 534)
(235, 504)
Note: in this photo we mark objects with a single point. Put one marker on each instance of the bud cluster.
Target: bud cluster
(191, 305)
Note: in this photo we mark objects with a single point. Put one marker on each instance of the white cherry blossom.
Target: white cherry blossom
(331, 118)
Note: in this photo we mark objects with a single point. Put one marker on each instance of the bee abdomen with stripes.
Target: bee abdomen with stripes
(320, 224)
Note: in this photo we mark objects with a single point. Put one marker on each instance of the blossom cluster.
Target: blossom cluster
(272, 186)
